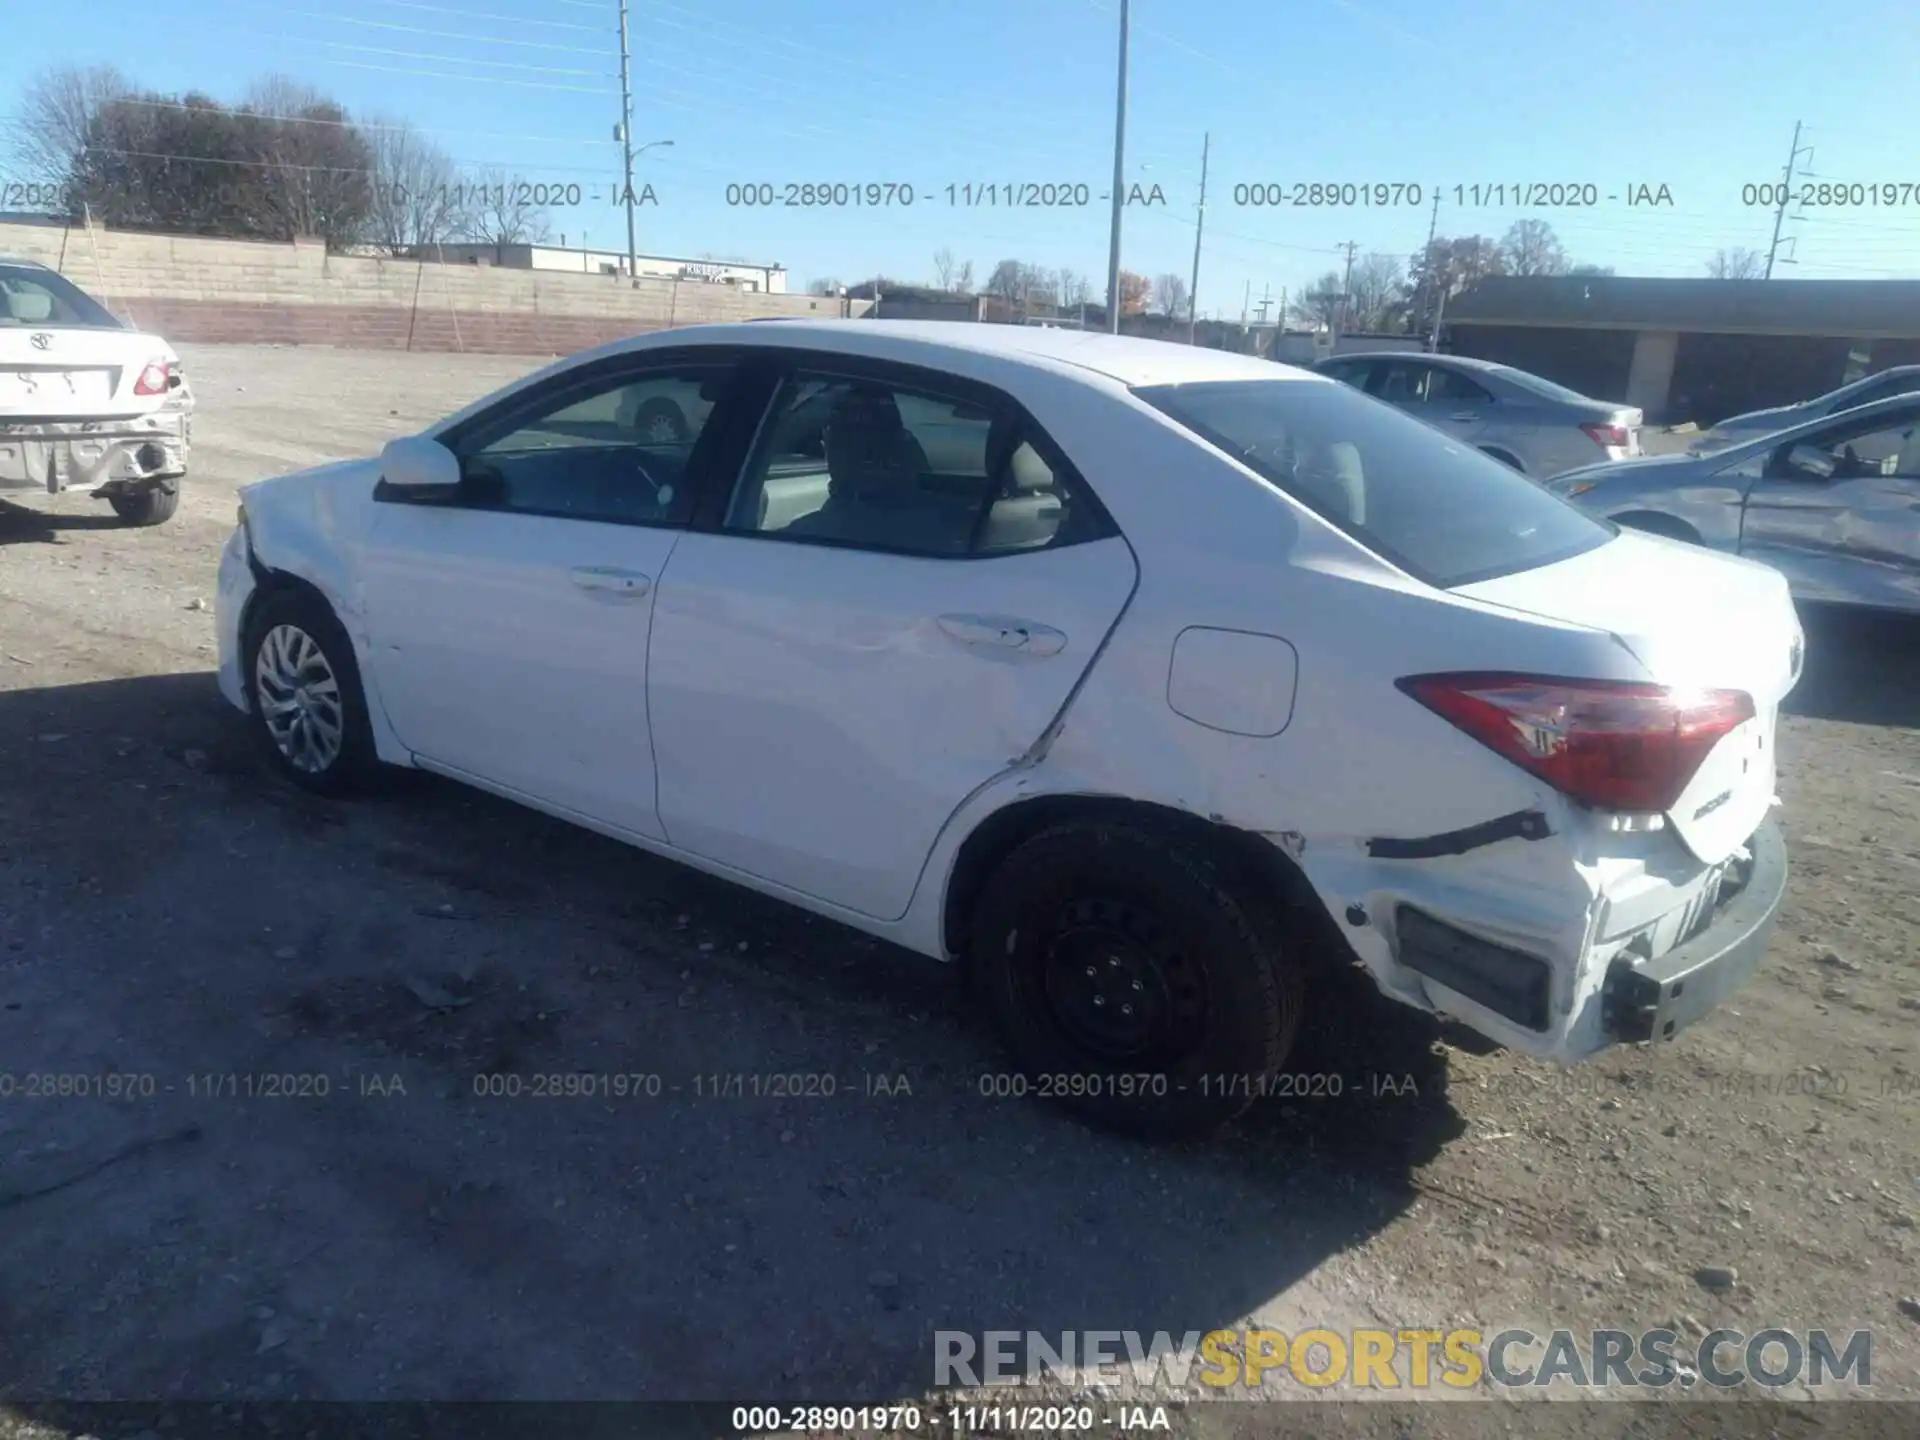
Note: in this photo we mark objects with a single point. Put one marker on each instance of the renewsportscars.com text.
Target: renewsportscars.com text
(1410, 1359)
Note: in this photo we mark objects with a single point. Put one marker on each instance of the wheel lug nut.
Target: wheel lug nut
(1090, 972)
(1099, 1000)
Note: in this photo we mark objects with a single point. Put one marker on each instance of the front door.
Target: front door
(510, 622)
(887, 611)
(1838, 512)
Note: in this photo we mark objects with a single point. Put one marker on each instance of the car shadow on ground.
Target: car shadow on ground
(20, 525)
(584, 1249)
(1862, 667)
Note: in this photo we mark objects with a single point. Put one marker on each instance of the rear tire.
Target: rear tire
(304, 697)
(153, 506)
(660, 422)
(1084, 922)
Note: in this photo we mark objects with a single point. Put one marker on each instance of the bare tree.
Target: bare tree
(963, 278)
(416, 190)
(1075, 288)
(1170, 294)
(497, 209)
(826, 285)
(1379, 294)
(1008, 281)
(1319, 304)
(1531, 248)
(943, 267)
(1737, 264)
(316, 170)
(53, 119)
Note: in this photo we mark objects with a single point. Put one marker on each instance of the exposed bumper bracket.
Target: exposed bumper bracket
(1654, 999)
(1521, 825)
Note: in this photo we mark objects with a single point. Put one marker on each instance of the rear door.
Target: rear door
(1450, 403)
(878, 616)
(1838, 511)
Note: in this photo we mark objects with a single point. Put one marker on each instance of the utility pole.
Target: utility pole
(1199, 226)
(1246, 301)
(1786, 189)
(1119, 177)
(626, 146)
(1433, 229)
(1346, 291)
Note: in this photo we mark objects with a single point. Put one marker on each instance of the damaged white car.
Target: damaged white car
(1145, 680)
(87, 402)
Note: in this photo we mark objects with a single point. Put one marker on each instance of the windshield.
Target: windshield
(1441, 511)
(31, 296)
(1528, 381)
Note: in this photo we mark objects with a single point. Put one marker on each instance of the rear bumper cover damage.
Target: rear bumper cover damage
(1512, 928)
(57, 455)
(1655, 999)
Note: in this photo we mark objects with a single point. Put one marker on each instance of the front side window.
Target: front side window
(853, 461)
(613, 449)
(1881, 447)
(1442, 511)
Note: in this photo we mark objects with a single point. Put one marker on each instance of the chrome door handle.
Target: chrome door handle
(1004, 633)
(1464, 416)
(610, 580)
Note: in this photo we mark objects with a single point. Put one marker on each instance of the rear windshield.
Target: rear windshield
(30, 296)
(1441, 511)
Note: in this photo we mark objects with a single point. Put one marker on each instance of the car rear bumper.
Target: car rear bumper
(56, 455)
(1655, 999)
(1527, 936)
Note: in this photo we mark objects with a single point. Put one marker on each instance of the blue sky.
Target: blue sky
(1700, 96)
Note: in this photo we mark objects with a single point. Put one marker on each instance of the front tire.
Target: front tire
(1130, 982)
(153, 506)
(307, 707)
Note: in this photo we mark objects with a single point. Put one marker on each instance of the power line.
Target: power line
(489, 15)
(466, 79)
(445, 59)
(440, 34)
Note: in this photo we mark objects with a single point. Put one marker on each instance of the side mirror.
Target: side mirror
(1810, 462)
(414, 466)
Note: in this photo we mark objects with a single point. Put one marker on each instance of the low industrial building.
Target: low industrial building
(1689, 350)
(763, 279)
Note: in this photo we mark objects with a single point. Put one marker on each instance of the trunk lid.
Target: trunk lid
(77, 373)
(1695, 619)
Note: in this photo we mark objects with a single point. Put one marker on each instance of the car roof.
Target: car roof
(1130, 360)
(24, 262)
(1464, 362)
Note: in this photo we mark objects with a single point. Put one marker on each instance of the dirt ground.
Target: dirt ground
(169, 915)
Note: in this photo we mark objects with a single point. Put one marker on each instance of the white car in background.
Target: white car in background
(1148, 681)
(87, 402)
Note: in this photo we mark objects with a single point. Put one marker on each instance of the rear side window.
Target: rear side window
(857, 462)
(1441, 511)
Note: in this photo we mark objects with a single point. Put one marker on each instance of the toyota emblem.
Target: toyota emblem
(41, 341)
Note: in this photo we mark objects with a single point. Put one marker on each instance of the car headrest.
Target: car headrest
(29, 307)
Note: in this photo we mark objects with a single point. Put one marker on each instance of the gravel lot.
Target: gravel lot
(167, 911)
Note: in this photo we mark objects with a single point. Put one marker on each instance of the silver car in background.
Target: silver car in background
(1737, 429)
(1833, 504)
(1532, 424)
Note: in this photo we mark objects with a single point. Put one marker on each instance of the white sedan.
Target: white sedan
(1148, 681)
(87, 402)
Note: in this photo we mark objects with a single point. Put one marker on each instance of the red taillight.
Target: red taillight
(1614, 745)
(1617, 435)
(155, 379)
